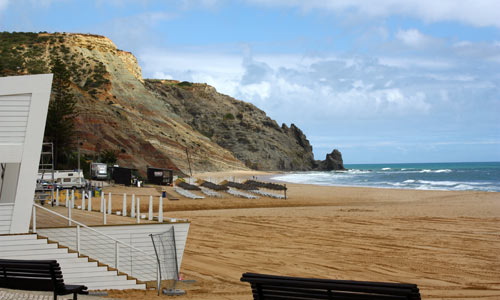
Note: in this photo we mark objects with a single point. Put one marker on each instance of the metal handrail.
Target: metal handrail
(96, 231)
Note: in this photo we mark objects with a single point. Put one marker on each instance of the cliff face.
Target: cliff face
(240, 127)
(154, 122)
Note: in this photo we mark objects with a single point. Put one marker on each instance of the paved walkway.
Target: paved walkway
(6, 294)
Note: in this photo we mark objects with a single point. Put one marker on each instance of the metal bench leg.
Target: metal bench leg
(75, 296)
(55, 295)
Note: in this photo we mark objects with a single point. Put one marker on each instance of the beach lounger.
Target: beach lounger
(241, 194)
(210, 193)
(187, 194)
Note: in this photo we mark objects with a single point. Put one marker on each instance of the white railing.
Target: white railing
(88, 202)
(107, 249)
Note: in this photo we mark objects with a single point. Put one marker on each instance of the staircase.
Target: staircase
(75, 269)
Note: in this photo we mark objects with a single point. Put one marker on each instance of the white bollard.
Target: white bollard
(67, 198)
(109, 204)
(104, 212)
(138, 215)
(160, 210)
(72, 199)
(132, 207)
(89, 207)
(150, 212)
(83, 200)
(124, 210)
(57, 197)
(102, 201)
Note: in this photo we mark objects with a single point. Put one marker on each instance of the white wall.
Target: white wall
(24, 102)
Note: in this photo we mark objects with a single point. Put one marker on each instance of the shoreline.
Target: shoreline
(268, 176)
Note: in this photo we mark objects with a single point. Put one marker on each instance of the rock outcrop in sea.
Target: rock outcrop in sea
(333, 161)
(157, 122)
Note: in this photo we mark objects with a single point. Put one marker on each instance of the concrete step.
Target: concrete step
(18, 237)
(29, 252)
(75, 271)
(58, 257)
(123, 285)
(97, 279)
(28, 247)
(82, 272)
(23, 242)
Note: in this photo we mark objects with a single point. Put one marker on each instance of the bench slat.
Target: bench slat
(292, 293)
(361, 283)
(335, 286)
(271, 287)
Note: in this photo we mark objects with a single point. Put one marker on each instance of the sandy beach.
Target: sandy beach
(448, 243)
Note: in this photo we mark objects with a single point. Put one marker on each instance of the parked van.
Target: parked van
(99, 171)
(66, 179)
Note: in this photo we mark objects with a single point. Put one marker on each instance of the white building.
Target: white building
(24, 102)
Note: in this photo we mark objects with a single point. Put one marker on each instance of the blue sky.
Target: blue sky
(382, 81)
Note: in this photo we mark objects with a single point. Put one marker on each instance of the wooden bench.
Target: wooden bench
(271, 287)
(36, 275)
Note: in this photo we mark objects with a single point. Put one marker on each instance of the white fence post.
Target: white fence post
(109, 204)
(138, 210)
(69, 215)
(83, 199)
(104, 212)
(67, 198)
(150, 212)
(160, 210)
(90, 201)
(132, 208)
(124, 209)
(57, 197)
(102, 201)
(72, 199)
(78, 238)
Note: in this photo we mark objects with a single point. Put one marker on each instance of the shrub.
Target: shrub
(229, 116)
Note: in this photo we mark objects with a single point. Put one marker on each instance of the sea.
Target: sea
(464, 176)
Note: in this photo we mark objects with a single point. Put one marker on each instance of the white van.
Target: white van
(66, 179)
(99, 171)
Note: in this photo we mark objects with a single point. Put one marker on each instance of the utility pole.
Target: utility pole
(78, 155)
(189, 163)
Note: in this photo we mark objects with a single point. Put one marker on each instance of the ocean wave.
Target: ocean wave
(355, 171)
(435, 171)
(396, 178)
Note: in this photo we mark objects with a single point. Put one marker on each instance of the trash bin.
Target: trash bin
(164, 194)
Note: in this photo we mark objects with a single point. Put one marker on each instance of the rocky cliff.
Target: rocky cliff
(155, 122)
(240, 127)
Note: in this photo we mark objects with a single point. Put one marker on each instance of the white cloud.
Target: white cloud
(413, 38)
(473, 12)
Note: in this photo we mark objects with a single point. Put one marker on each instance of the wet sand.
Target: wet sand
(446, 242)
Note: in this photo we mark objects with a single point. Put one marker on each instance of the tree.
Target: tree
(60, 127)
(109, 156)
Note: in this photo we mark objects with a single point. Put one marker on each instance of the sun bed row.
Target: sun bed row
(241, 194)
(267, 194)
(210, 193)
(187, 194)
